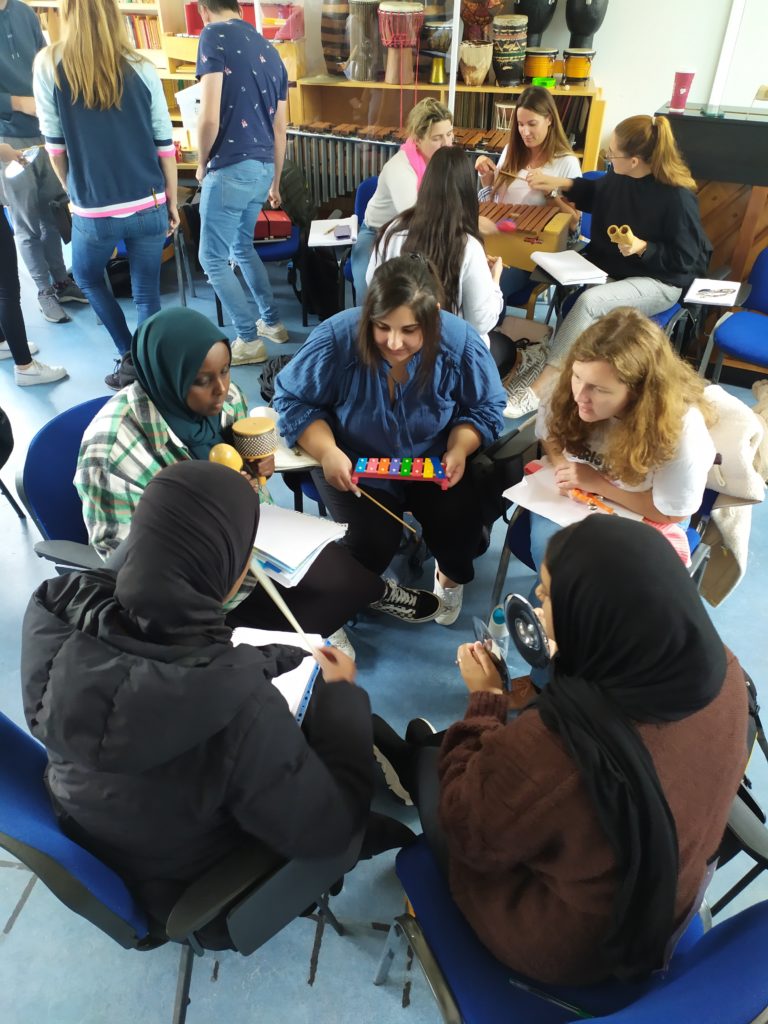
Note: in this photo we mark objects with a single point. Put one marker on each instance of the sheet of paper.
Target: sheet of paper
(321, 232)
(286, 458)
(539, 493)
(711, 292)
(287, 538)
(292, 685)
(569, 267)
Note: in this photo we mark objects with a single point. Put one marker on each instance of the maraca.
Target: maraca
(255, 437)
(226, 455)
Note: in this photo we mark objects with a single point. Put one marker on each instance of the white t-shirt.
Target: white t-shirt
(677, 486)
(517, 191)
(396, 191)
(480, 300)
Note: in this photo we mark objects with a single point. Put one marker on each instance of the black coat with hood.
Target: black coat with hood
(162, 757)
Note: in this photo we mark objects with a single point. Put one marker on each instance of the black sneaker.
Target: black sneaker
(420, 733)
(407, 603)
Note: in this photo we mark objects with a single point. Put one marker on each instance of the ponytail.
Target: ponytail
(651, 139)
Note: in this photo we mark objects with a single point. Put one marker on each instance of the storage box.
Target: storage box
(292, 55)
(272, 225)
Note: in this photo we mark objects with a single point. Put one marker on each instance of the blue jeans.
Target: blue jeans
(230, 204)
(93, 242)
(359, 259)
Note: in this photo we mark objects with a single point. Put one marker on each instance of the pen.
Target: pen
(587, 498)
(581, 1014)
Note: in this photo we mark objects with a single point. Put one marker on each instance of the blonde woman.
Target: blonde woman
(430, 127)
(650, 189)
(107, 129)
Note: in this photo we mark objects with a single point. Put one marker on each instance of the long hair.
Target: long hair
(446, 212)
(662, 388)
(426, 113)
(404, 281)
(540, 101)
(94, 51)
(651, 139)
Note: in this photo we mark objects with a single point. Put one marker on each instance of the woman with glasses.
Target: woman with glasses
(650, 189)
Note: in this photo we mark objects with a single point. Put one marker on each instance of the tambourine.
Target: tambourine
(526, 631)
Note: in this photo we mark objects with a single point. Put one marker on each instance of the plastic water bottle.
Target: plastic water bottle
(497, 627)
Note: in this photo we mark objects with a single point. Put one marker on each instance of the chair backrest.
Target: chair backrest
(45, 483)
(586, 218)
(363, 196)
(758, 278)
(30, 832)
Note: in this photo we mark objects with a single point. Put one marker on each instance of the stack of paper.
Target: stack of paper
(539, 493)
(323, 232)
(296, 685)
(288, 542)
(569, 267)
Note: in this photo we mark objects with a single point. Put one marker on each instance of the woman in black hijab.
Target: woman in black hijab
(578, 835)
(167, 745)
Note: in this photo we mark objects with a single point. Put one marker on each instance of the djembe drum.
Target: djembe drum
(333, 35)
(366, 55)
(509, 39)
(435, 43)
(399, 26)
(478, 16)
(255, 437)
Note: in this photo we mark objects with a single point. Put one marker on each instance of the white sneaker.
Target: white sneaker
(451, 599)
(5, 349)
(521, 402)
(39, 373)
(248, 352)
(272, 332)
(341, 642)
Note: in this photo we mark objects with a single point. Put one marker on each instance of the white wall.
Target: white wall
(640, 46)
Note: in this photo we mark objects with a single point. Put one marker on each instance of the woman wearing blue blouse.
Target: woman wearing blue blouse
(397, 378)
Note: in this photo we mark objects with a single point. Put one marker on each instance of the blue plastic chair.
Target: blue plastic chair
(259, 890)
(713, 978)
(363, 196)
(45, 487)
(742, 335)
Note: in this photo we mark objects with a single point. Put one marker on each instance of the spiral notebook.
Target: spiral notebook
(296, 685)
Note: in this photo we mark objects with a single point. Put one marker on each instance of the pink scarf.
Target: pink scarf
(415, 159)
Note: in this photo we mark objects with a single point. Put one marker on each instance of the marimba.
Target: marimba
(537, 228)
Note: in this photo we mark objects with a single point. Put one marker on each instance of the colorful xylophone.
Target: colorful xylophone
(404, 469)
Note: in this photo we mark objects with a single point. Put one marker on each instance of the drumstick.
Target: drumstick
(384, 508)
(274, 593)
(510, 174)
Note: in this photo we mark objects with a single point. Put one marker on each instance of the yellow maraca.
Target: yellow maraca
(226, 455)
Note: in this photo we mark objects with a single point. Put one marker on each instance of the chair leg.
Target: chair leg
(177, 258)
(186, 963)
(219, 311)
(394, 945)
(13, 503)
(718, 367)
(330, 918)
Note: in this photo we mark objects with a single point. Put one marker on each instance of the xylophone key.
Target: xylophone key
(417, 470)
(383, 466)
(361, 465)
(439, 471)
(405, 467)
(394, 466)
(429, 469)
(373, 465)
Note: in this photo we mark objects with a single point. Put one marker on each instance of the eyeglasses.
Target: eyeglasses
(611, 158)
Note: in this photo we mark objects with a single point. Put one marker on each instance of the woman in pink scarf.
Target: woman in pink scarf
(430, 126)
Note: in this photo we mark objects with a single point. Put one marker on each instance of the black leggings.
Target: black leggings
(12, 327)
(451, 521)
(335, 589)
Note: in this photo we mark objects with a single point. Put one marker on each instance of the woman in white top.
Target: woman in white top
(442, 225)
(537, 141)
(430, 128)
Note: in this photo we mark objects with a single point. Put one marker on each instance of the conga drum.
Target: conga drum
(578, 64)
(509, 38)
(399, 26)
(333, 36)
(366, 54)
(539, 62)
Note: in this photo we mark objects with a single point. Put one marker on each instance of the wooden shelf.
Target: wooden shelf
(141, 8)
(324, 81)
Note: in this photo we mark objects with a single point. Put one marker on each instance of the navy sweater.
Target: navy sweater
(113, 155)
(20, 39)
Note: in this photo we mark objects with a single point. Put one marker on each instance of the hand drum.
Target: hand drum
(526, 631)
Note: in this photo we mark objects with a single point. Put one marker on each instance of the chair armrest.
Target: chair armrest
(69, 552)
(219, 887)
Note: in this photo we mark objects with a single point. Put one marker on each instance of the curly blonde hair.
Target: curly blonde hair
(662, 388)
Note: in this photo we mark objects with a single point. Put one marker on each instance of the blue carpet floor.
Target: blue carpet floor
(57, 969)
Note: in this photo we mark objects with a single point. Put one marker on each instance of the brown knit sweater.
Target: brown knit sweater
(530, 867)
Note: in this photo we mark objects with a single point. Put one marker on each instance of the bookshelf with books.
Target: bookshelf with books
(146, 22)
